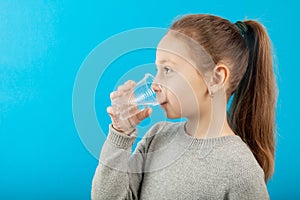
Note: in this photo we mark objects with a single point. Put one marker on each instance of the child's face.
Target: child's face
(182, 87)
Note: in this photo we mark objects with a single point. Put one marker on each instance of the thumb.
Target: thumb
(149, 111)
(144, 114)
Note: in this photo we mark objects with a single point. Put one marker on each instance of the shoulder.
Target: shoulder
(243, 158)
(163, 128)
(238, 157)
(246, 179)
(160, 134)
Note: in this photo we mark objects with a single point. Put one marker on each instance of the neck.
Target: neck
(207, 125)
(202, 129)
(197, 128)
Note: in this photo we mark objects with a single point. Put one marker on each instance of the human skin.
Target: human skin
(180, 89)
(183, 88)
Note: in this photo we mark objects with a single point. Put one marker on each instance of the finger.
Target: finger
(114, 117)
(121, 87)
(149, 112)
(114, 95)
(109, 110)
(112, 112)
(127, 86)
(146, 113)
(131, 83)
(127, 111)
(141, 115)
(133, 109)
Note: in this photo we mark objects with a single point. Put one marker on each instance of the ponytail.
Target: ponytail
(252, 111)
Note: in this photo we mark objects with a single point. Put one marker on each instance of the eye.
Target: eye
(167, 69)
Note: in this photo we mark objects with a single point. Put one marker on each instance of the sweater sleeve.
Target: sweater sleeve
(118, 174)
(249, 185)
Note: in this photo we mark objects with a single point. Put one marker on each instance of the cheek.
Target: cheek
(173, 99)
(183, 96)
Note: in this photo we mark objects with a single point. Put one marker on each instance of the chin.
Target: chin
(172, 116)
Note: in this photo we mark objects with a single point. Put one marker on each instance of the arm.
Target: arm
(112, 179)
(249, 185)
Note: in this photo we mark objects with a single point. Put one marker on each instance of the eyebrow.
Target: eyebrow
(161, 62)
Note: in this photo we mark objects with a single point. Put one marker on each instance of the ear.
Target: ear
(219, 78)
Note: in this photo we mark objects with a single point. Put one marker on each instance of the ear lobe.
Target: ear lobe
(217, 79)
(214, 89)
(218, 76)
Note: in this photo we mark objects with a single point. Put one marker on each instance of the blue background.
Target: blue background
(42, 46)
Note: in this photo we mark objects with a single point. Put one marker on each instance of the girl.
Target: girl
(181, 160)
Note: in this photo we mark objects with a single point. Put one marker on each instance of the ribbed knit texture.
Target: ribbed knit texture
(169, 164)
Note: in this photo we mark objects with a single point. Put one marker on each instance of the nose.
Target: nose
(156, 87)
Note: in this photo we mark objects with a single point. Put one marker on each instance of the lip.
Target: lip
(163, 104)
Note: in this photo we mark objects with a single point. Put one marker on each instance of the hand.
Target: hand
(123, 93)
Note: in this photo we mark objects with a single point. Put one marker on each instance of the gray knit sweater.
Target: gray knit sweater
(169, 164)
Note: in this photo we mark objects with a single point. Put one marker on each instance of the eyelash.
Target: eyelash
(167, 68)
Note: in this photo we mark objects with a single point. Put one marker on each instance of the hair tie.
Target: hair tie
(242, 26)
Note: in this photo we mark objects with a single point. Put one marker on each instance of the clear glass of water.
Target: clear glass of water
(140, 98)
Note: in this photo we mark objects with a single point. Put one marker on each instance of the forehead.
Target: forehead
(172, 49)
(179, 47)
